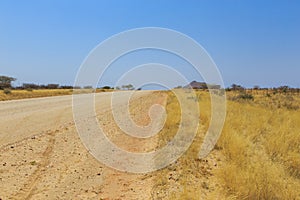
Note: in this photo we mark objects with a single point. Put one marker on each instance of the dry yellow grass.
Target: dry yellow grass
(261, 143)
(187, 177)
(24, 94)
(258, 152)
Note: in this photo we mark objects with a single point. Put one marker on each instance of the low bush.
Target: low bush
(243, 96)
(7, 91)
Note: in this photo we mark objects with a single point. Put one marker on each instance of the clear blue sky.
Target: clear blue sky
(253, 42)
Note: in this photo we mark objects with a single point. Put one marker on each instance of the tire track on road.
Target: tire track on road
(30, 186)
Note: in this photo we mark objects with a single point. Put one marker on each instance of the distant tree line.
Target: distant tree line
(273, 90)
(240, 88)
(33, 86)
(6, 83)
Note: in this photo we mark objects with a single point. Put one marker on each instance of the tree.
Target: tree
(106, 87)
(128, 87)
(237, 87)
(284, 88)
(66, 87)
(5, 82)
(256, 87)
(30, 86)
(52, 86)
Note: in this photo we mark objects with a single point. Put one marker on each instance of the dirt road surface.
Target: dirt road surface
(20, 119)
(42, 157)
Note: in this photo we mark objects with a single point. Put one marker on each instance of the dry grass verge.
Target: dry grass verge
(261, 144)
(189, 177)
(257, 156)
(24, 94)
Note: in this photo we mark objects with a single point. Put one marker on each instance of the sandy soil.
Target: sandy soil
(42, 157)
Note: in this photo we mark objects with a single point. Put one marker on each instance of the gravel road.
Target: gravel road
(42, 157)
(20, 119)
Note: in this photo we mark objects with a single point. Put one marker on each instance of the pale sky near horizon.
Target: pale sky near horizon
(252, 42)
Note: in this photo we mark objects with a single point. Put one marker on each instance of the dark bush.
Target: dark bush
(106, 87)
(243, 96)
(66, 87)
(246, 96)
(31, 86)
(52, 86)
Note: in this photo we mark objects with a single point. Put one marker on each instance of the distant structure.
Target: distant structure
(197, 85)
(201, 85)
